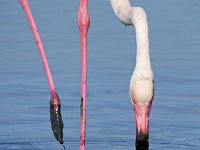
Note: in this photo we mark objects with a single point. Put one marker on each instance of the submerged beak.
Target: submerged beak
(56, 121)
(142, 141)
(142, 112)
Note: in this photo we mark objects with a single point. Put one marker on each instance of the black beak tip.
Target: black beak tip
(56, 122)
(142, 142)
(61, 141)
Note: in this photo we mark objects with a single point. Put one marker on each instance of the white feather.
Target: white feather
(122, 9)
(141, 84)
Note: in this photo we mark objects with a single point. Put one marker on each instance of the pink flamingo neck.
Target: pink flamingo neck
(55, 107)
(84, 3)
(83, 22)
(38, 41)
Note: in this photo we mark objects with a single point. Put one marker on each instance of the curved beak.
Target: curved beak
(56, 121)
(142, 141)
(142, 112)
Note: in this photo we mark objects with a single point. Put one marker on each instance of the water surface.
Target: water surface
(174, 38)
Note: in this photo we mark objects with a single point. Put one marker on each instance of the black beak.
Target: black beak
(56, 121)
(142, 142)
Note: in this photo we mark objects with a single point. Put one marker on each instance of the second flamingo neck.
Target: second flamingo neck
(84, 3)
(142, 41)
(143, 57)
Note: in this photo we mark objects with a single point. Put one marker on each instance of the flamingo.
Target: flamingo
(142, 80)
(55, 105)
(83, 23)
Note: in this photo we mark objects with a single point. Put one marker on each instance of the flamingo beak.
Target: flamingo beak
(142, 141)
(56, 121)
(142, 112)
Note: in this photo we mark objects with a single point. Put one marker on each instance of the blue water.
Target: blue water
(24, 109)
